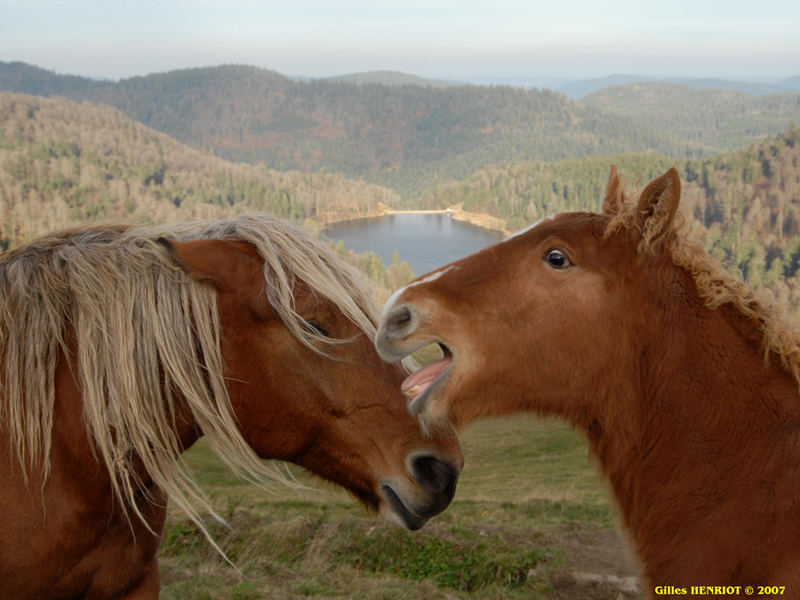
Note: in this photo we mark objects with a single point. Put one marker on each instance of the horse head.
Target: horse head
(319, 396)
(544, 320)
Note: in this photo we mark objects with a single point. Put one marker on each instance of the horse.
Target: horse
(682, 378)
(123, 345)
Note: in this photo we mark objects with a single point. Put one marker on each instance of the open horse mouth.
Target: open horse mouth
(418, 385)
(399, 336)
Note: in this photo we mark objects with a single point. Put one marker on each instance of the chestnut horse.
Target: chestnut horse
(122, 346)
(685, 385)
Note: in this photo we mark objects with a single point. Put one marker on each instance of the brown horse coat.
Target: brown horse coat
(685, 385)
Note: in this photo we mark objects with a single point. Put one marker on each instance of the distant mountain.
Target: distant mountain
(580, 88)
(526, 82)
(754, 88)
(402, 136)
(28, 79)
(721, 120)
(390, 78)
(790, 83)
(408, 136)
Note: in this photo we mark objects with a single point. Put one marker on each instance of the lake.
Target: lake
(425, 240)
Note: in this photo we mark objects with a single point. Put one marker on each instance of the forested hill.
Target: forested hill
(403, 135)
(390, 78)
(748, 201)
(719, 120)
(62, 162)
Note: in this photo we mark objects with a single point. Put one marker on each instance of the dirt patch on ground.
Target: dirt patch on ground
(597, 566)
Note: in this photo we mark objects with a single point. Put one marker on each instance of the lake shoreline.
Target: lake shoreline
(456, 212)
(480, 220)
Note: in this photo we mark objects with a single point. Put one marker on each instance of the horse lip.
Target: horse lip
(417, 404)
(411, 520)
(388, 352)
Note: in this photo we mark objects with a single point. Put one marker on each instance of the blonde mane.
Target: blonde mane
(715, 285)
(140, 334)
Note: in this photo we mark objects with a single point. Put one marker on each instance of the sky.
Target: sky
(462, 40)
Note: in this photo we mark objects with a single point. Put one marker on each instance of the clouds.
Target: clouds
(439, 38)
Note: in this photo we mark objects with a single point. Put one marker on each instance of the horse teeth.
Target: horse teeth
(412, 391)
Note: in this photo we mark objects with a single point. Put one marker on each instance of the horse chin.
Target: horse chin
(394, 510)
(429, 406)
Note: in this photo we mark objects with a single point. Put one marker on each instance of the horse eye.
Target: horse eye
(316, 327)
(556, 259)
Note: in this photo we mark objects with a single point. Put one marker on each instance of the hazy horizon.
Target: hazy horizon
(459, 40)
(520, 80)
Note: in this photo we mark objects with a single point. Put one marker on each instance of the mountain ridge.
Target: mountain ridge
(401, 136)
(579, 88)
(389, 78)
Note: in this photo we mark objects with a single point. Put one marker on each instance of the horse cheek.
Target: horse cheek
(256, 380)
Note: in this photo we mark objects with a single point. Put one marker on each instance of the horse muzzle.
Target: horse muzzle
(401, 332)
(428, 490)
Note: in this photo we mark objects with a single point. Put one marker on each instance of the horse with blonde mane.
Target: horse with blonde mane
(684, 383)
(123, 345)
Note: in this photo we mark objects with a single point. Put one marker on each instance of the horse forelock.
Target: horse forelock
(137, 330)
(715, 285)
(291, 254)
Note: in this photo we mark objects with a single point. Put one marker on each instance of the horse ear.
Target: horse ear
(655, 211)
(224, 264)
(615, 197)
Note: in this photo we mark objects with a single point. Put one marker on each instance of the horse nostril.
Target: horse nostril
(435, 475)
(400, 322)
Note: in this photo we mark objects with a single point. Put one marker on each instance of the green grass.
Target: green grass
(526, 487)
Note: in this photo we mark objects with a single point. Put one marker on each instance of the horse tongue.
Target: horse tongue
(418, 382)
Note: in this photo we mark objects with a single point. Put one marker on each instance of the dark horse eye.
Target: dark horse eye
(556, 259)
(316, 327)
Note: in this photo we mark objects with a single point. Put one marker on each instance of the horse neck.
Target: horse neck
(706, 404)
(69, 426)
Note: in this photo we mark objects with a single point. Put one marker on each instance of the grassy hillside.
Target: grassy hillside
(529, 520)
